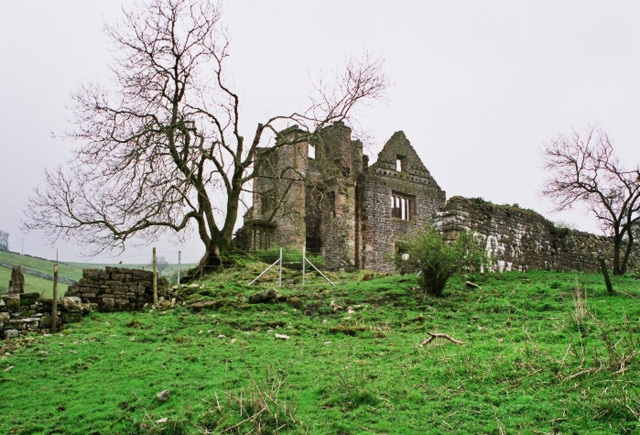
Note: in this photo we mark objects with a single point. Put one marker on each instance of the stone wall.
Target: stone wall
(518, 239)
(309, 199)
(116, 288)
(26, 313)
(409, 180)
(353, 214)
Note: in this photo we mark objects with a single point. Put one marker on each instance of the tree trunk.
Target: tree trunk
(605, 274)
(618, 270)
(211, 260)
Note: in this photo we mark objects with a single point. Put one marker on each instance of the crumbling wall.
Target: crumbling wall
(333, 203)
(26, 313)
(408, 180)
(518, 239)
(303, 198)
(116, 288)
(277, 215)
(334, 174)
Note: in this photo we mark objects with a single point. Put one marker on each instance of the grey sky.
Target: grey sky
(478, 86)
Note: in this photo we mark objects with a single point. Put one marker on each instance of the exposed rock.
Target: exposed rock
(12, 302)
(163, 395)
(267, 296)
(281, 298)
(108, 304)
(16, 285)
(11, 333)
(295, 302)
(74, 304)
(29, 298)
(197, 306)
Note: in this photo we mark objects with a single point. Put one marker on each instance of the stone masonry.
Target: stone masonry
(26, 313)
(116, 288)
(518, 239)
(319, 191)
(400, 195)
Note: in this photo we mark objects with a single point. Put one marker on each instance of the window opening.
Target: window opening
(401, 207)
(400, 163)
(311, 151)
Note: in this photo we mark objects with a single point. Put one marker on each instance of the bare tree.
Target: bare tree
(584, 168)
(163, 151)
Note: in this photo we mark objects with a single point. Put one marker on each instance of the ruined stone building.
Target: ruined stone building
(320, 192)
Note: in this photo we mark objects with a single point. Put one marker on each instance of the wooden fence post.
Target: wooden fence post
(54, 302)
(155, 278)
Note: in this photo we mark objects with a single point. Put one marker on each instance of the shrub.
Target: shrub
(436, 258)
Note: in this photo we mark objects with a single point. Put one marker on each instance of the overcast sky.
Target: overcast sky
(478, 86)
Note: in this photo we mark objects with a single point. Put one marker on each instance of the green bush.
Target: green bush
(436, 258)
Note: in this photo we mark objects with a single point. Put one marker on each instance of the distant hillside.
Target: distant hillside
(39, 271)
(40, 265)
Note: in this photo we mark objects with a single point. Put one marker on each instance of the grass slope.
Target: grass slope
(538, 356)
(41, 265)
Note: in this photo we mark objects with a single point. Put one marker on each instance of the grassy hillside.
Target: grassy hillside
(34, 283)
(72, 271)
(541, 353)
(31, 284)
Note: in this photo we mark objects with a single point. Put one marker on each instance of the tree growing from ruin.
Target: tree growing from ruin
(584, 168)
(164, 149)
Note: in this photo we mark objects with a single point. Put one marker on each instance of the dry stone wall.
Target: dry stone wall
(25, 313)
(116, 288)
(518, 239)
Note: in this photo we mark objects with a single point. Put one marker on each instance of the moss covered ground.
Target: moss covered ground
(542, 352)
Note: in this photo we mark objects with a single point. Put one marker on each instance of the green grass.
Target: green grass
(537, 357)
(73, 272)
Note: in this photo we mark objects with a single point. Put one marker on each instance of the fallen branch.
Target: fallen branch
(575, 375)
(434, 335)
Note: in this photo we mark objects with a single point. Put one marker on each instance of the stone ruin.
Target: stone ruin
(116, 288)
(319, 191)
(16, 285)
(112, 289)
(25, 313)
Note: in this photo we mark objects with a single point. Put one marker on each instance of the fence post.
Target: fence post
(280, 271)
(179, 265)
(155, 278)
(304, 263)
(54, 302)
